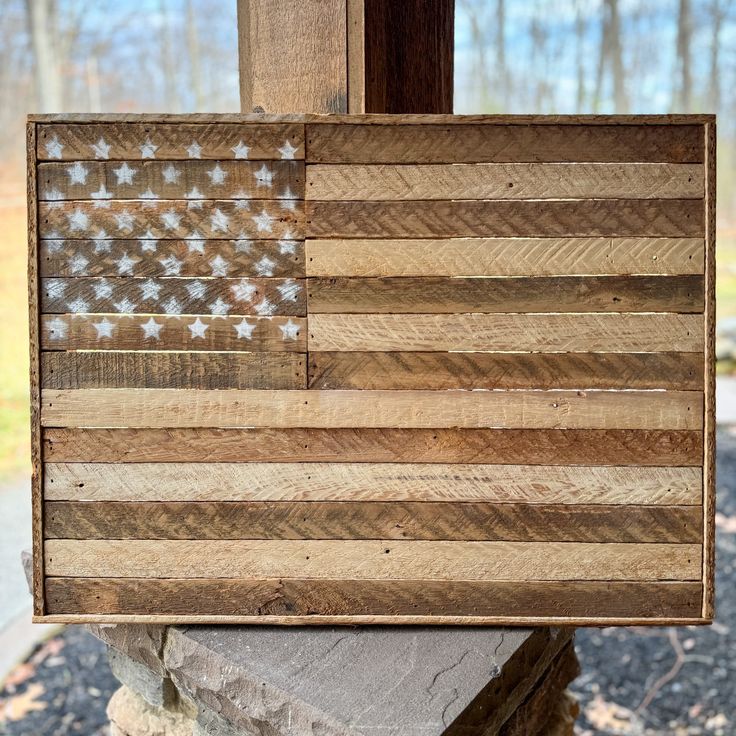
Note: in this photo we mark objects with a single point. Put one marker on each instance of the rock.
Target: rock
(131, 715)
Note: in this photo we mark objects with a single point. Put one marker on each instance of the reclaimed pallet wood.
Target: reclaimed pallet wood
(372, 369)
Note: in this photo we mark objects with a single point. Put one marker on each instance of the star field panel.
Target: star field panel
(370, 369)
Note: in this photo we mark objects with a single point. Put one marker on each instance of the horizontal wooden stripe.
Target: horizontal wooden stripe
(437, 371)
(382, 559)
(450, 219)
(504, 257)
(294, 597)
(506, 332)
(169, 332)
(173, 370)
(371, 482)
(467, 143)
(219, 296)
(215, 219)
(505, 446)
(505, 181)
(440, 294)
(172, 140)
(372, 520)
(410, 409)
(152, 257)
(192, 180)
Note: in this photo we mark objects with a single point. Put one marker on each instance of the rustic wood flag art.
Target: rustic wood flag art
(365, 369)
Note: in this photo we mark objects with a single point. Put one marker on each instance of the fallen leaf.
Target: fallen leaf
(605, 716)
(19, 675)
(726, 523)
(19, 706)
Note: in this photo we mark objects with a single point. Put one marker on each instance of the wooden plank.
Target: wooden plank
(171, 332)
(505, 181)
(215, 219)
(504, 446)
(442, 294)
(172, 139)
(217, 296)
(153, 257)
(408, 409)
(151, 180)
(174, 370)
(299, 597)
(439, 371)
(506, 332)
(527, 141)
(372, 520)
(414, 482)
(381, 559)
(505, 257)
(546, 218)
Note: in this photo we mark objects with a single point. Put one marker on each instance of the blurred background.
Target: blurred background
(515, 56)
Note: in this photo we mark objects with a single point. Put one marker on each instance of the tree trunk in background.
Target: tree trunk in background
(621, 103)
(714, 79)
(195, 66)
(168, 66)
(683, 98)
(47, 74)
(580, 56)
(502, 73)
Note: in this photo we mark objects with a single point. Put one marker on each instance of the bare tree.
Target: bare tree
(580, 55)
(682, 99)
(501, 69)
(47, 72)
(195, 65)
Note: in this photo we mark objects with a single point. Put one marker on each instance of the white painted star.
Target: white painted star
(265, 266)
(264, 177)
(265, 307)
(217, 175)
(194, 150)
(104, 328)
(149, 289)
(171, 174)
(54, 147)
(172, 306)
(240, 150)
(243, 244)
(245, 329)
(101, 149)
(198, 328)
(101, 244)
(78, 220)
(195, 242)
(196, 290)
(101, 204)
(102, 288)
(125, 265)
(243, 205)
(171, 219)
(219, 221)
(194, 193)
(57, 328)
(290, 330)
(125, 306)
(148, 242)
(148, 149)
(151, 329)
(125, 174)
(55, 244)
(263, 221)
(219, 306)
(287, 247)
(78, 265)
(53, 195)
(172, 265)
(287, 200)
(244, 291)
(219, 266)
(125, 221)
(55, 288)
(78, 306)
(289, 290)
(77, 173)
(101, 193)
(148, 194)
(287, 150)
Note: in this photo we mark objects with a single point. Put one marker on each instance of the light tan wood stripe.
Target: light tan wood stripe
(536, 484)
(410, 409)
(506, 332)
(505, 181)
(504, 256)
(172, 140)
(384, 559)
(216, 219)
(169, 332)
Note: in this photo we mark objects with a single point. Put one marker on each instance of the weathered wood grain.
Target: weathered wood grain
(506, 332)
(170, 332)
(217, 296)
(173, 370)
(441, 294)
(153, 257)
(503, 143)
(379, 559)
(505, 181)
(504, 446)
(546, 218)
(215, 219)
(408, 409)
(372, 520)
(504, 256)
(295, 597)
(173, 139)
(439, 371)
(414, 482)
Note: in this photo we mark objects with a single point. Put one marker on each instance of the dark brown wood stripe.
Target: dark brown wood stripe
(173, 370)
(536, 294)
(299, 597)
(468, 143)
(448, 219)
(501, 446)
(351, 370)
(371, 520)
